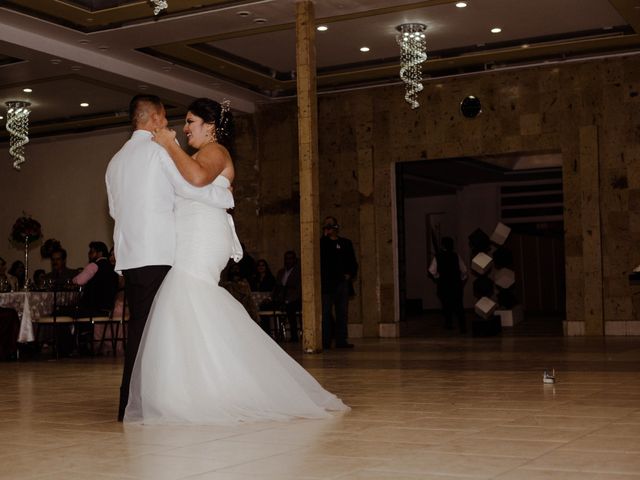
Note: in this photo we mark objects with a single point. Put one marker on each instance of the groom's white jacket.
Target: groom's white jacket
(142, 186)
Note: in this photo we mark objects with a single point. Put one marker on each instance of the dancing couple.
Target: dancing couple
(193, 353)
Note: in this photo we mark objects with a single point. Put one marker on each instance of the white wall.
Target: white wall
(476, 206)
(62, 186)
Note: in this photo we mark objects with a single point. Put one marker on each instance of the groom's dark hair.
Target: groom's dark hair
(136, 103)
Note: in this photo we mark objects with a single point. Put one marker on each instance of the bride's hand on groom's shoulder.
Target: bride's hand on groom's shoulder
(164, 137)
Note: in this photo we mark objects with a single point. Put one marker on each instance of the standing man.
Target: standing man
(142, 184)
(450, 272)
(338, 267)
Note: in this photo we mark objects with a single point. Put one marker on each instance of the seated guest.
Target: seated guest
(38, 279)
(99, 284)
(17, 270)
(60, 276)
(263, 280)
(98, 280)
(7, 281)
(233, 281)
(287, 293)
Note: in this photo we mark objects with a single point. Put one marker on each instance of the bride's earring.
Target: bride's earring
(211, 135)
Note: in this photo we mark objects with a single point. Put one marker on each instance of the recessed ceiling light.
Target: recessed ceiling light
(1, 117)
(243, 13)
(496, 30)
(55, 61)
(322, 28)
(84, 104)
(103, 47)
(75, 68)
(461, 4)
(260, 20)
(524, 45)
(143, 87)
(27, 90)
(364, 49)
(83, 41)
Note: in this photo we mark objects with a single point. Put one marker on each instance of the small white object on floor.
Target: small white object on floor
(549, 377)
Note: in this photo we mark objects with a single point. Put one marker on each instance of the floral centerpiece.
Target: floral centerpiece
(24, 232)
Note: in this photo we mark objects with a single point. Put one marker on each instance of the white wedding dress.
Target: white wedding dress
(202, 359)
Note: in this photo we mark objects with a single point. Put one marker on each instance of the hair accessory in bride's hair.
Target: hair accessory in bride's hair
(225, 106)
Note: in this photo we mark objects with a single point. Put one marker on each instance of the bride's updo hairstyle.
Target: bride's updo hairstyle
(218, 114)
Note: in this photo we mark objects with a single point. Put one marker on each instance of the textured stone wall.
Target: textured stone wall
(589, 111)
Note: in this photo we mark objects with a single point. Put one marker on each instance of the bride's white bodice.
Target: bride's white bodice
(204, 238)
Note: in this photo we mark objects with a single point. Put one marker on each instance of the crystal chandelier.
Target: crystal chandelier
(18, 128)
(413, 51)
(159, 5)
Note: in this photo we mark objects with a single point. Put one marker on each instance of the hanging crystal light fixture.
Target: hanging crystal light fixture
(18, 128)
(413, 51)
(159, 5)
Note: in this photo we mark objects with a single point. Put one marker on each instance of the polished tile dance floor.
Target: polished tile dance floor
(444, 409)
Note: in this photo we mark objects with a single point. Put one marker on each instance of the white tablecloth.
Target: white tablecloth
(31, 306)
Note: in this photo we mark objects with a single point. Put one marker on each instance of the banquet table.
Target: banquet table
(31, 306)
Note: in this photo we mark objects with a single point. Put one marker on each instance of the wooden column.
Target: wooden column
(309, 184)
(591, 232)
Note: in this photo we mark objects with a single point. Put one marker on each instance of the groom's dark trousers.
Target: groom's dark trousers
(140, 287)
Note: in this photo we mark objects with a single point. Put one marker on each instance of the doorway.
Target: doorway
(458, 196)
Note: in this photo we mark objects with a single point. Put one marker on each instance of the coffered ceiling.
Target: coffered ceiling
(104, 51)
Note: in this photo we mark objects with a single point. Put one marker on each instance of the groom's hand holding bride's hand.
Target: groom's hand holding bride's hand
(165, 137)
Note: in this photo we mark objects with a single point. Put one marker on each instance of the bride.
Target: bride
(202, 359)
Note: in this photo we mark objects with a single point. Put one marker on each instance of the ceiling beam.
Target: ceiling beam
(39, 42)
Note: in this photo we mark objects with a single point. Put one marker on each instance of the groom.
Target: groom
(142, 185)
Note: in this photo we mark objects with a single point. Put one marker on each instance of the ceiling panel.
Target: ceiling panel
(245, 49)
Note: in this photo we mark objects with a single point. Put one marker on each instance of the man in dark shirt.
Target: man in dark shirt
(98, 280)
(338, 269)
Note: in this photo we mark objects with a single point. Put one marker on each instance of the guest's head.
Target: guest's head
(3, 267)
(290, 259)
(208, 121)
(235, 273)
(58, 260)
(97, 250)
(330, 227)
(262, 268)
(17, 270)
(49, 245)
(146, 112)
(38, 278)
